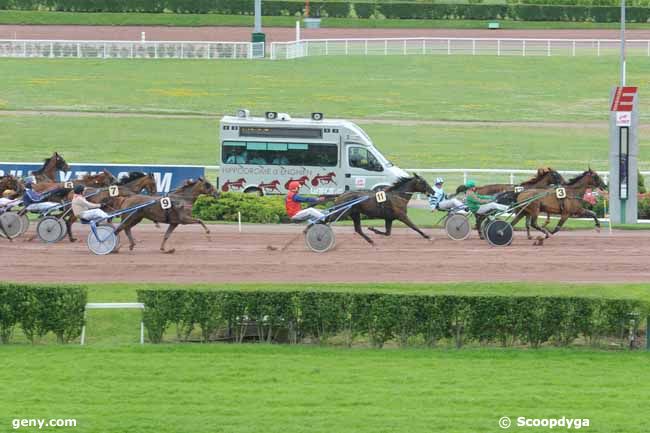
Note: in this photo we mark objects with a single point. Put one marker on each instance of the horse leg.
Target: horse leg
(356, 218)
(479, 221)
(130, 236)
(168, 233)
(405, 219)
(586, 213)
(592, 214)
(518, 218)
(389, 226)
(563, 218)
(68, 224)
(533, 222)
(548, 219)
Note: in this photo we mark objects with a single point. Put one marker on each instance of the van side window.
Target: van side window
(263, 153)
(359, 157)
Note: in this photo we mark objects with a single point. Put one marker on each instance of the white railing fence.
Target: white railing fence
(131, 49)
(456, 46)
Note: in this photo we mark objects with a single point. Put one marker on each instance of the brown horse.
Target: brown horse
(570, 206)
(393, 208)
(98, 180)
(176, 215)
(545, 176)
(51, 165)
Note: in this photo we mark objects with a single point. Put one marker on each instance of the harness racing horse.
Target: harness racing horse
(51, 165)
(394, 208)
(98, 180)
(176, 215)
(545, 176)
(571, 205)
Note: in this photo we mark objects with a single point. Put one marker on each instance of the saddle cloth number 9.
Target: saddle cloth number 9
(165, 203)
(380, 196)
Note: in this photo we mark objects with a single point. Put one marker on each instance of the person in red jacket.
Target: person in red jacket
(293, 207)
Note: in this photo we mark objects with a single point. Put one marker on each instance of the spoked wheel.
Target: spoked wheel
(11, 224)
(499, 233)
(105, 241)
(457, 227)
(320, 238)
(51, 229)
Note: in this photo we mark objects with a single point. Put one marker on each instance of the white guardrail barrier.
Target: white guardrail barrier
(451, 46)
(26, 48)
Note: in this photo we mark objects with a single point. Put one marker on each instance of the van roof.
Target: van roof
(295, 121)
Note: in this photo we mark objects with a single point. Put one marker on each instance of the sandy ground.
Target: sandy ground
(228, 256)
(275, 34)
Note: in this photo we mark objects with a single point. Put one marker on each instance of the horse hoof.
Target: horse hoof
(131, 247)
(73, 239)
(172, 251)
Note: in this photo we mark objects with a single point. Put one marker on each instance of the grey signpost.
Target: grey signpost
(623, 155)
(258, 35)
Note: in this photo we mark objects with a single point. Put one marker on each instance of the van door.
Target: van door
(363, 170)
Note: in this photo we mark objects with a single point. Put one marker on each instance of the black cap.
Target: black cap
(78, 189)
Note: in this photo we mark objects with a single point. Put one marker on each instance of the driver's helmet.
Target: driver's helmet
(294, 186)
(439, 180)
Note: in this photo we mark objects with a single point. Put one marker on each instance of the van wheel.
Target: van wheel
(254, 190)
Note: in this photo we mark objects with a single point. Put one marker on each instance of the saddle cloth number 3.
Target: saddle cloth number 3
(380, 196)
(165, 203)
(560, 193)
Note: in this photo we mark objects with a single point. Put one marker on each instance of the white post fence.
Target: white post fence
(453, 46)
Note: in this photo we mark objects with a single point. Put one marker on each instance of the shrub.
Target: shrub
(319, 315)
(253, 208)
(40, 310)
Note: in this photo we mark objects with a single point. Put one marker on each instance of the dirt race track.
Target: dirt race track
(275, 34)
(579, 256)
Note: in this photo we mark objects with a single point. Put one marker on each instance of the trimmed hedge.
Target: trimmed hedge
(561, 10)
(253, 208)
(319, 315)
(40, 310)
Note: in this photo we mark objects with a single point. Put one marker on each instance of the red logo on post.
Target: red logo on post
(624, 99)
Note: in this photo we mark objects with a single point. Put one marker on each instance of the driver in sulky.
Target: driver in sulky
(294, 208)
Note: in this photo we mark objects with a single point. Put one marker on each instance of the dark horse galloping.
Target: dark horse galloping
(394, 208)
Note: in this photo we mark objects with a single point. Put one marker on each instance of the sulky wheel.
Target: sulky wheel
(457, 227)
(11, 224)
(499, 233)
(51, 229)
(320, 238)
(105, 241)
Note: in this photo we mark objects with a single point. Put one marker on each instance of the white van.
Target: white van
(264, 154)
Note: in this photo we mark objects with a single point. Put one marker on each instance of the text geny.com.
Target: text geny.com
(40, 423)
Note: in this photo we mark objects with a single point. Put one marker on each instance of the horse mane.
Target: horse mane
(130, 177)
(401, 181)
(577, 178)
(46, 161)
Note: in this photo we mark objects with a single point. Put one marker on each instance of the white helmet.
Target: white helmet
(439, 180)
